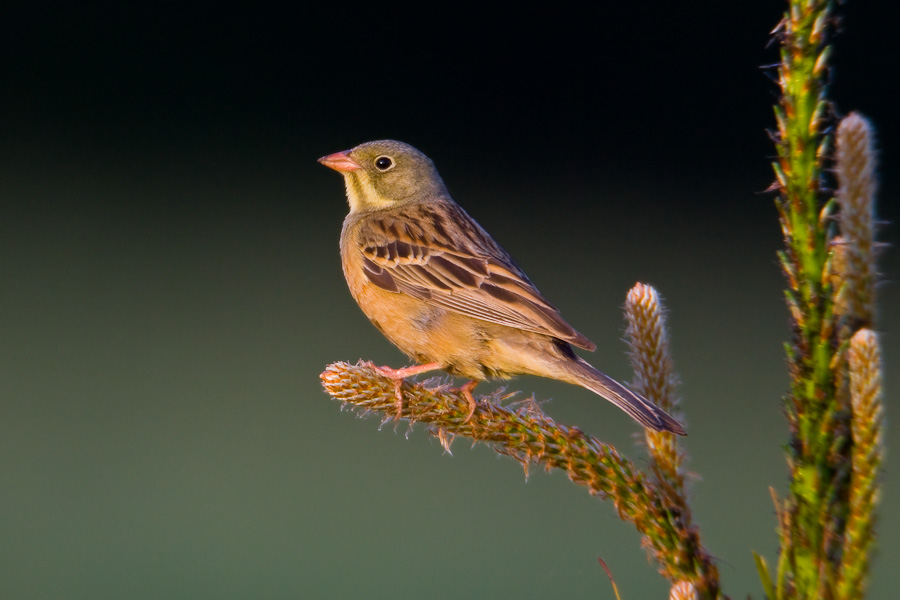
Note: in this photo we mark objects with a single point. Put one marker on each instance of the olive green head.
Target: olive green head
(385, 174)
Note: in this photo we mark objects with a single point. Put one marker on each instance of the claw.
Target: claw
(398, 375)
(399, 402)
(467, 393)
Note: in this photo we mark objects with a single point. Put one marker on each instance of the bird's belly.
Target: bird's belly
(424, 332)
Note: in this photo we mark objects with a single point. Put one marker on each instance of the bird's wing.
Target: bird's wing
(439, 254)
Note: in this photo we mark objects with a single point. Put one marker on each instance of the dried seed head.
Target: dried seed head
(864, 358)
(855, 170)
(683, 590)
(654, 372)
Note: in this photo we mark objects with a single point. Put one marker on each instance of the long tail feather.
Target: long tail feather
(639, 408)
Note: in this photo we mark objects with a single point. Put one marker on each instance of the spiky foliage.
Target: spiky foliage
(830, 295)
(868, 450)
(855, 171)
(855, 278)
(654, 374)
(811, 520)
(655, 379)
(683, 590)
(525, 433)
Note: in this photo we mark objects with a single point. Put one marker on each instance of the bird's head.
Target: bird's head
(385, 174)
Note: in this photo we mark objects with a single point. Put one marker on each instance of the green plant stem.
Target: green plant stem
(817, 410)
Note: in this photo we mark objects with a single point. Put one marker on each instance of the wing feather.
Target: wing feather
(439, 254)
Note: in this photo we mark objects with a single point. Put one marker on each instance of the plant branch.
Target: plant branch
(522, 431)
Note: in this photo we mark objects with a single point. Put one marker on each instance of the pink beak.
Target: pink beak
(340, 161)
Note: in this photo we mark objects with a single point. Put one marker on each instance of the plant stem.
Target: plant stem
(818, 409)
(525, 433)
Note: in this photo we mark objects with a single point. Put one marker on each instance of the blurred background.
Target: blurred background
(170, 287)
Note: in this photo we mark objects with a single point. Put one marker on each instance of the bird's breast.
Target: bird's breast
(424, 332)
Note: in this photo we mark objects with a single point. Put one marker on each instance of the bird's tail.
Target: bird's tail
(639, 408)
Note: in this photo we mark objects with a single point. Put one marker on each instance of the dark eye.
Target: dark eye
(383, 163)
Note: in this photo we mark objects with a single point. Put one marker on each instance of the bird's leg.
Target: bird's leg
(398, 375)
(467, 392)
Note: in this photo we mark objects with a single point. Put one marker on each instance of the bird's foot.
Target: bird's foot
(398, 375)
(466, 391)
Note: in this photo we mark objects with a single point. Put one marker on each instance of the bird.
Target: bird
(439, 287)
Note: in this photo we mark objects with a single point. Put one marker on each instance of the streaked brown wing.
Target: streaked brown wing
(439, 254)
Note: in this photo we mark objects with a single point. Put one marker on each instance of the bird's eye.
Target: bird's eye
(383, 163)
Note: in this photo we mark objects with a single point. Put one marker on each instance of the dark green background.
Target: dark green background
(170, 288)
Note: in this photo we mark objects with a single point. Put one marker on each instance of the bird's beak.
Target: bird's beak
(340, 161)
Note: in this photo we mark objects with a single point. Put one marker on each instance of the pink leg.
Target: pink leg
(398, 375)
